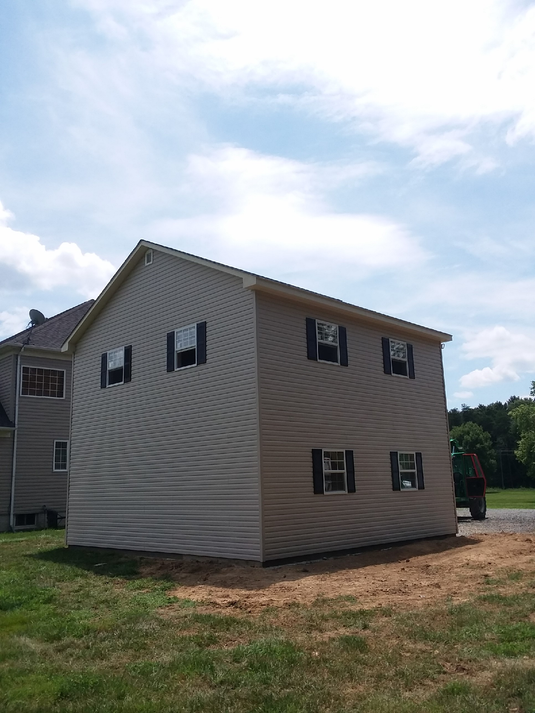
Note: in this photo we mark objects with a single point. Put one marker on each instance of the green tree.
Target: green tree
(523, 415)
(473, 439)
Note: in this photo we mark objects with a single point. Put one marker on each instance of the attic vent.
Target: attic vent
(148, 257)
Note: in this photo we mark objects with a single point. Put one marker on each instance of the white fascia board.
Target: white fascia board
(298, 294)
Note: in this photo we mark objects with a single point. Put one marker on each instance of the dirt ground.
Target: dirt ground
(405, 576)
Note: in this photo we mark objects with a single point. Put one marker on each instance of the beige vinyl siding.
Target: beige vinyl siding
(168, 462)
(40, 422)
(306, 404)
(7, 384)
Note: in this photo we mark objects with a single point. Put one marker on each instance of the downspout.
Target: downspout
(15, 434)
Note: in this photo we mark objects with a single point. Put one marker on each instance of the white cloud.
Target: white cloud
(25, 256)
(512, 355)
(13, 322)
(421, 74)
(271, 214)
(463, 394)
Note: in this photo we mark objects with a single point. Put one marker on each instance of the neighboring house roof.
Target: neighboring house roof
(52, 333)
(4, 420)
(250, 281)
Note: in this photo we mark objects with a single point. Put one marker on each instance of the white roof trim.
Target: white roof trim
(250, 281)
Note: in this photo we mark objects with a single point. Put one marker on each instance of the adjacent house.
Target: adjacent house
(219, 413)
(35, 405)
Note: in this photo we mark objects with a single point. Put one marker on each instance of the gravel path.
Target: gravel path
(497, 521)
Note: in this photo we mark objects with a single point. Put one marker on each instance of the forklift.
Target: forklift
(470, 482)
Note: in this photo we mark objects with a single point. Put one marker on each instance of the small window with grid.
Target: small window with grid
(407, 471)
(61, 455)
(48, 383)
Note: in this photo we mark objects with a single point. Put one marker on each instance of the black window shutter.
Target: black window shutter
(350, 470)
(170, 351)
(312, 340)
(317, 470)
(387, 364)
(342, 341)
(394, 464)
(104, 370)
(127, 364)
(410, 359)
(420, 471)
(201, 342)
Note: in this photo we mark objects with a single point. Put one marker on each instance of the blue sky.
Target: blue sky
(378, 152)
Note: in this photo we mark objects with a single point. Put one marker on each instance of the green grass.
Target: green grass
(512, 498)
(84, 632)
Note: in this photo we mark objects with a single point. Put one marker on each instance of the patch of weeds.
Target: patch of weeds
(352, 642)
(515, 576)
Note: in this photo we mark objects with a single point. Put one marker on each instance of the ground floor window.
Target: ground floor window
(26, 520)
(61, 455)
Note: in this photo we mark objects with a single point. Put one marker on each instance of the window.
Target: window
(326, 342)
(407, 471)
(398, 358)
(149, 257)
(61, 455)
(49, 383)
(26, 520)
(333, 471)
(186, 346)
(116, 367)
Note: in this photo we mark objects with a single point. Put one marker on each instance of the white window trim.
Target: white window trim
(51, 398)
(415, 471)
(60, 470)
(187, 349)
(119, 383)
(149, 257)
(334, 492)
(406, 360)
(329, 344)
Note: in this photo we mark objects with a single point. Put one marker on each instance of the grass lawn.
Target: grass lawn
(82, 631)
(512, 498)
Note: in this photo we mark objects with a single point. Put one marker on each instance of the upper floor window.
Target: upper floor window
(326, 342)
(116, 367)
(49, 383)
(61, 455)
(186, 346)
(398, 358)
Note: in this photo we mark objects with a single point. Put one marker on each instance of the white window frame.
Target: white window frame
(60, 470)
(329, 344)
(325, 471)
(406, 470)
(186, 349)
(149, 257)
(35, 396)
(118, 383)
(405, 361)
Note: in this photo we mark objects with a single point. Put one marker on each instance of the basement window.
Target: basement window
(26, 520)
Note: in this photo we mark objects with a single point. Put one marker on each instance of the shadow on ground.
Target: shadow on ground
(195, 571)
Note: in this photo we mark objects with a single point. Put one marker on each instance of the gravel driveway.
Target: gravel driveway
(497, 521)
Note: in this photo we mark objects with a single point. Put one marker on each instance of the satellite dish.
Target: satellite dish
(36, 317)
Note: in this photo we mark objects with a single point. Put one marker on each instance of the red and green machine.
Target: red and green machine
(470, 481)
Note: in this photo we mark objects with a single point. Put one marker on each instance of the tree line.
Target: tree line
(503, 436)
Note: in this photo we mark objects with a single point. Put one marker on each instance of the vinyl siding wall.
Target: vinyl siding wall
(7, 384)
(169, 461)
(41, 421)
(306, 404)
(6, 441)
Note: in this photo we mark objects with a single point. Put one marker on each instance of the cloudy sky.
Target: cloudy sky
(379, 152)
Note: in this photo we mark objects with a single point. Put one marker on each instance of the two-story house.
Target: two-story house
(35, 405)
(220, 413)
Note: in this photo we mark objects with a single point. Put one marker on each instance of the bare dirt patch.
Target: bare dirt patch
(399, 576)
